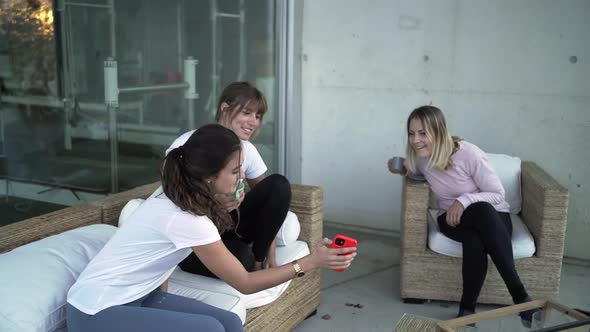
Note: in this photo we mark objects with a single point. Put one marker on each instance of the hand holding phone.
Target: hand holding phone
(341, 241)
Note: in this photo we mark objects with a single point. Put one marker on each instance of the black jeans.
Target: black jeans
(262, 214)
(483, 231)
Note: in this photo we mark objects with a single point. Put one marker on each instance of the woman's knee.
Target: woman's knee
(279, 182)
(231, 321)
(480, 213)
(483, 217)
(480, 207)
(280, 185)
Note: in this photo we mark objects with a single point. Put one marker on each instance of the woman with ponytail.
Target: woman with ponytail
(119, 289)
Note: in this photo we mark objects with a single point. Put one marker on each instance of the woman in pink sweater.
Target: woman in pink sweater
(471, 200)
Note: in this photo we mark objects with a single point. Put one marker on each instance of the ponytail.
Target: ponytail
(185, 171)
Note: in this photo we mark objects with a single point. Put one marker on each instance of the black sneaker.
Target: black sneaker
(466, 312)
(526, 317)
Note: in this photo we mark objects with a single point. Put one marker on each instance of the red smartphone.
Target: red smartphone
(341, 241)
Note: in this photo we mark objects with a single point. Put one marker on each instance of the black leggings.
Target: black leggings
(262, 214)
(483, 231)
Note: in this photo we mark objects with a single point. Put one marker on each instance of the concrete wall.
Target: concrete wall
(512, 76)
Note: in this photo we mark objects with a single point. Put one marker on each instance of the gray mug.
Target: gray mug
(397, 164)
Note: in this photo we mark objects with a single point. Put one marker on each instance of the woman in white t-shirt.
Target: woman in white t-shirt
(119, 289)
(263, 209)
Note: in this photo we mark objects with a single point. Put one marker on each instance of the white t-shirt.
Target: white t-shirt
(141, 255)
(253, 165)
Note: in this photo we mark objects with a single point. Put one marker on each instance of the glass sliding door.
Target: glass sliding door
(31, 110)
(236, 40)
(32, 120)
(55, 129)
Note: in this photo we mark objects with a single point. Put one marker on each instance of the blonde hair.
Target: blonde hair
(443, 144)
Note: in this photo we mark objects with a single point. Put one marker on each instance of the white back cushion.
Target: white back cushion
(129, 209)
(289, 231)
(508, 169)
(36, 277)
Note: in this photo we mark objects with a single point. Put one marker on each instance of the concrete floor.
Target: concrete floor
(366, 297)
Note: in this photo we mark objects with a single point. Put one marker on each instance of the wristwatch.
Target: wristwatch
(298, 271)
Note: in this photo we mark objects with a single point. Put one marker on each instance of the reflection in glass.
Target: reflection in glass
(54, 124)
(32, 130)
(28, 46)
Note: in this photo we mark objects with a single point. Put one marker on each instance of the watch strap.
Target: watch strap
(298, 271)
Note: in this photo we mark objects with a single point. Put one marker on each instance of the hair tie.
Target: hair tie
(181, 151)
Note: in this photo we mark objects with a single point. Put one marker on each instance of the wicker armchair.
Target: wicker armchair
(428, 275)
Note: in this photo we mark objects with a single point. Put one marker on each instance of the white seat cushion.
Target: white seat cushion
(523, 244)
(36, 277)
(217, 293)
(217, 298)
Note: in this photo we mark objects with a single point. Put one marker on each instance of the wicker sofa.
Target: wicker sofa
(428, 275)
(301, 298)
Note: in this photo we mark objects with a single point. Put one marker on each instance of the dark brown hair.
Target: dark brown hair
(185, 171)
(238, 95)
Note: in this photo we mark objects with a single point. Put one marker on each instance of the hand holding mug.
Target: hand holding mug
(396, 165)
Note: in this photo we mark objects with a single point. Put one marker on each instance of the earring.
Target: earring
(208, 181)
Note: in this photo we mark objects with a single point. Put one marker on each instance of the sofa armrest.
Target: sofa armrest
(544, 209)
(307, 202)
(414, 214)
(113, 204)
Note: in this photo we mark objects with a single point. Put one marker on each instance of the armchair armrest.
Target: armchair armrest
(544, 209)
(414, 212)
(307, 202)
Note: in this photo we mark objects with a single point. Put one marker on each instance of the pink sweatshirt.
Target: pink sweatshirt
(470, 179)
